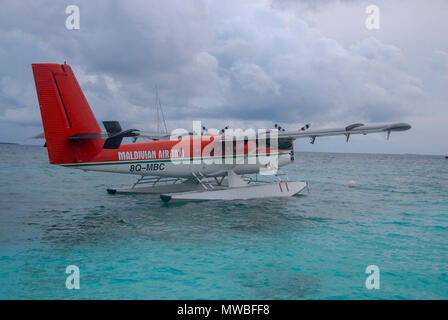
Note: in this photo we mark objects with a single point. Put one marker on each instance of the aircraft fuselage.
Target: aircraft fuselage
(168, 158)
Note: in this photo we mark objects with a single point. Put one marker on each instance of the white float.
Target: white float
(255, 191)
(240, 189)
(229, 187)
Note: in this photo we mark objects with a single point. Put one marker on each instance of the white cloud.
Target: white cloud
(252, 77)
(21, 116)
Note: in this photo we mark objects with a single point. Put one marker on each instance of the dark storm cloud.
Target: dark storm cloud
(218, 60)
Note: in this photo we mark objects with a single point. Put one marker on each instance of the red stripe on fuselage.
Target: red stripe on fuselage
(167, 149)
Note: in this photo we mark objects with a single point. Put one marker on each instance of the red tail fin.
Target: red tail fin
(65, 112)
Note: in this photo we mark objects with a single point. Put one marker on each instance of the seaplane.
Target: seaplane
(203, 164)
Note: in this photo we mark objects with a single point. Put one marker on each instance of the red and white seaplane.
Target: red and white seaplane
(198, 165)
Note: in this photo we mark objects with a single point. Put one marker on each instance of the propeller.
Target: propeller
(223, 130)
(305, 127)
(279, 128)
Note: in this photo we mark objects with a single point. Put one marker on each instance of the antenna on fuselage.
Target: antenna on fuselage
(161, 123)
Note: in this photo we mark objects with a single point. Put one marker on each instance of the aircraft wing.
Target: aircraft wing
(154, 136)
(167, 136)
(356, 128)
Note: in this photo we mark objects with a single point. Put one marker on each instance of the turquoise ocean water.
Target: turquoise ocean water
(315, 246)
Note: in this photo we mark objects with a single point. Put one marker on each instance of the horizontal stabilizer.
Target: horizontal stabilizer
(114, 135)
(81, 136)
(38, 136)
(112, 127)
(114, 141)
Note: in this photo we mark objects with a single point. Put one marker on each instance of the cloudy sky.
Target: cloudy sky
(247, 63)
